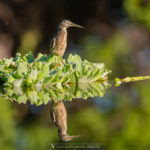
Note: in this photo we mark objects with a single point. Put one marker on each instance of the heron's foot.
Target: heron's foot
(62, 61)
(56, 65)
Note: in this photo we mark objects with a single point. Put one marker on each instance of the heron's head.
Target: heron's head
(68, 23)
(66, 138)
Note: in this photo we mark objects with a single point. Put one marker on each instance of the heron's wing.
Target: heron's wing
(52, 44)
(52, 114)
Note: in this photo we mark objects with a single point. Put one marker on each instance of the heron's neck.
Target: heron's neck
(63, 32)
(63, 29)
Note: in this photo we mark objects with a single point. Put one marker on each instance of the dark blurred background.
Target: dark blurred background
(117, 33)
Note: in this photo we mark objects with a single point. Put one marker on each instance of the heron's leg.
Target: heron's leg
(56, 64)
(62, 60)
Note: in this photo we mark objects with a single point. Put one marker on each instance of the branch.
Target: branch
(118, 81)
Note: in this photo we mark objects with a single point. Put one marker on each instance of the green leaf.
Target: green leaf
(29, 81)
(11, 79)
(10, 92)
(33, 96)
(17, 87)
(17, 58)
(51, 58)
(33, 74)
(44, 97)
(29, 57)
(22, 99)
(45, 67)
(22, 68)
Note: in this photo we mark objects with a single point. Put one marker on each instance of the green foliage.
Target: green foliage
(138, 10)
(47, 78)
(114, 51)
(7, 126)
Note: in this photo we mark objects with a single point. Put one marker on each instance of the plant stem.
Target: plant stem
(118, 81)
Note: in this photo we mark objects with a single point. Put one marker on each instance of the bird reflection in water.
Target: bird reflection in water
(58, 114)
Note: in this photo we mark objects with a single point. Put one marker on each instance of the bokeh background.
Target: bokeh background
(117, 33)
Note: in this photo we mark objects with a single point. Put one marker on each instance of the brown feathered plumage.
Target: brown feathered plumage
(59, 43)
(58, 112)
(59, 117)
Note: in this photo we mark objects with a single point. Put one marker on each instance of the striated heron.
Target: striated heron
(58, 112)
(59, 43)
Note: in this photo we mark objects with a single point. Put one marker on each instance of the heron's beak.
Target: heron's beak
(76, 25)
(67, 138)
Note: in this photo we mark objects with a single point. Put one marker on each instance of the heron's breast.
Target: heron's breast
(61, 41)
